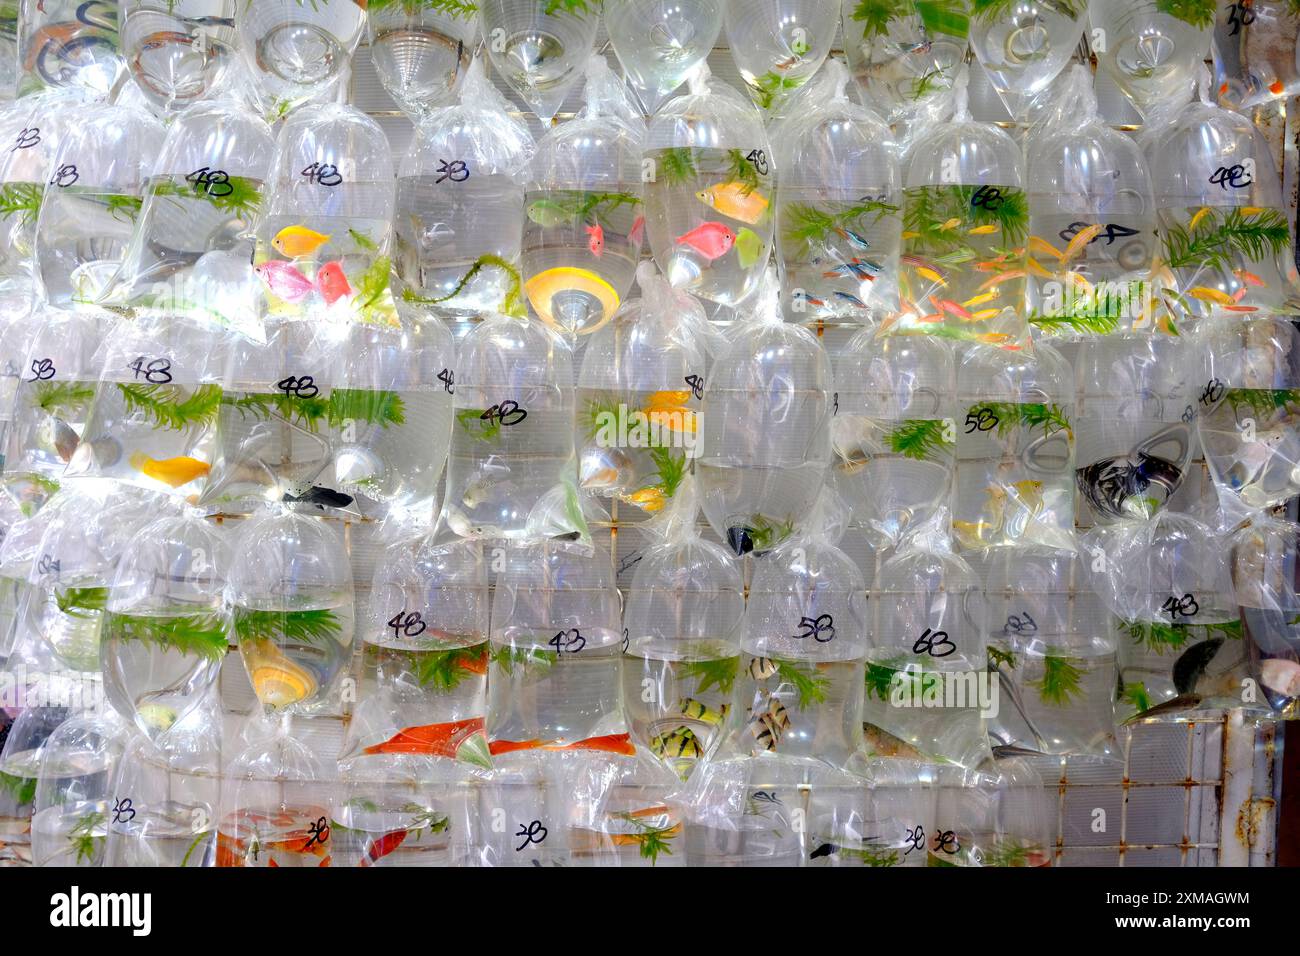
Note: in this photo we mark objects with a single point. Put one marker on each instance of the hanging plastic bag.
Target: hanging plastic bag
(423, 690)
(621, 813)
(682, 620)
(1052, 649)
(965, 220)
(1092, 220)
(323, 244)
(165, 630)
(1225, 241)
(70, 44)
(639, 395)
(555, 675)
(460, 204)
(927, 682)
(512, 472)
(1136, 397)
(1264, 580)
(766, 422)
(1251, 67)
(1024, 46)
(838, 208)
(179, 55)
(895, 433)
(1249, 412)
(192, 250)
(659, 42)
(709, 191)
(12, 585)
(445, 32)
(779, 44)
(582, 238)
(998, 814)
(1015, 473)
(297, 52)
(539, 46)
(905, 56)
(1152, 49)
(289, 593)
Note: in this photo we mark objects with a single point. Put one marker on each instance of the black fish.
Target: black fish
(1173, 705)
(740, 540)
(826, 849)
(1191, 664)
(322, 497)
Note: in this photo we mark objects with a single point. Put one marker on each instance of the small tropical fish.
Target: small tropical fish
(951, 307)
(596, 240)
(332, 282)
(779, 716)
(382, 846)
(1215, 296)
(1081, 239)
(710, 239)
(909, 234)
(681, 743)
(1249, 278)
(850, 298)
(761, 668)
(1001, 277)
(765, 735)
(748, 247)
(284, 281)
(455, 739)
(297, 241)
(1240, 308)
(668, 410)
(173, 472)
(1251, 210)
(735, 201)
(855, 240)
(606, 743)
(638, 229)
(857, 268)
(984, 314)
(987, 229)
(1277, 87)
(952, 223)
(694, 709)
(1197, 217)
(651, 498)
(1040, 245)
(324, 497)
(548, 213)
(981, 298)
(1034, 269)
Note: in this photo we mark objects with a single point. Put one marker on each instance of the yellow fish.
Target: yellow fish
(930, 274)
(911, 235)
(950, 224)
(1034, 269)
(981, 298)
(984, 230)
(1081, 239)
(170, 471)
(1206, 294)
(669, 410)
(1251, 210)
(1040, 245)
(1200, 214)
(649, 498)
(734, 202)
(984, 314)
(295, 241)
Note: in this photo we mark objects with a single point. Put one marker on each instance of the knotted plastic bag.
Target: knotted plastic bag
(539, 46)
(1092, 220)
(68, 44)
(426, 80)
(1152, 49)
(965, 222)
(1264, 581)
(296, 52)
(639, 394)
(583, 234)
(1023, 47)
(998, 814)
(659, 42)
(839, 206)
(460, 204)
(778, 46)
(709, 188)
(895, 433)
(178, 55)
(682, 621)
(765, 448)
(1251, 67)
(323, 250)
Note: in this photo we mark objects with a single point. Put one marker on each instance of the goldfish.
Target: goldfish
(1214, 296)
(748, 247)
(711, 240)
(1081, 239)
(984, 230)
(1240, 308)
(332, 282)
(735, 201)
(381, 847)
(460, 739)
(172, 472)
(596, 240)
(1251, 210)
(638, 229)
(298, 241)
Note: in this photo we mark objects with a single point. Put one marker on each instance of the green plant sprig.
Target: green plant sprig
(511, 304)
(766, 533)
(1136, 695)
(927, 208)
(62, 399)
(1049, 417)
(946, 17)
(670, 468)
(455, 8)
(444, 670)
(376, 406)
(21, 198)
(83, 603)
(742, 171)
(651, 840)
(1263, 402)
(676, 164)
(719, 672)
(1008, 852)
(198, 635)
(243, 200)
(989, 11)
(1060, 681)
(919, 438)
(1216, 238)
(299, 627)
(158, 404)
(22, 790)
(83, 838)
(804, 222)
(1198, 13)
(507, 658)
(1159, 636)
(769, 85)
(811, 687)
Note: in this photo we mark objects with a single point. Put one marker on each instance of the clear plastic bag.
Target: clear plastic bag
(779, 44)
(165, 629)
(1092, 220)
(539, 46)
(179, 52)
(1250, 67)
(423, 688)
(323, 242)
(460, 204)
(1015, 475)
(1024, 46)
(765, 446)
(1223, 224)
(659, 42)
(709, 190)
(67, 43)
(421, 50)
(298, 51)
(289, 593)
(1053, 648)
(1152, 49)
(965, 221)
(895, 433)
(1135, 412)
(191, 253)
(638, 396)
(839, 208)
(682, 620)
(512, 472)
(999, 814)
(582, 238)
(1264, 580)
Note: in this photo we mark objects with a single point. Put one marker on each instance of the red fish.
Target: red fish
(597, 241)
(332, 283)
(284, 281)
(380, 848)
(710, 239)
(638, 227)
(510, 746)
(437, 740)
(609, 743)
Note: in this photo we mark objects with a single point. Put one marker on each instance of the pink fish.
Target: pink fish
(597, 241)
(284, 281)
(638, 227)
(332, 282)
(710, 239)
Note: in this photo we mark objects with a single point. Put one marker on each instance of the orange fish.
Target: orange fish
(497, 747)
(170, 471)
(947, 305)
(608, 743)
(1276, 87)
(458, 739)
(596, 242)
(710, 239)
(1248, 277)
(332, 282)
(382, 846)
